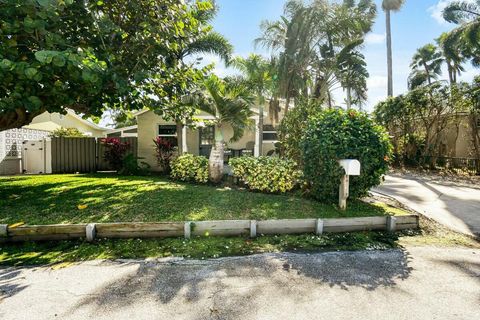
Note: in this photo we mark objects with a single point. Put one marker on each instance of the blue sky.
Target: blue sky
(417, 24)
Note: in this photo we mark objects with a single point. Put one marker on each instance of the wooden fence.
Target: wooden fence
(84, 155)
(250, 228)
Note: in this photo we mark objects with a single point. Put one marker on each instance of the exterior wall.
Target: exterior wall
(148, 123)
(11, 148)
(460, 146)
(52, 121)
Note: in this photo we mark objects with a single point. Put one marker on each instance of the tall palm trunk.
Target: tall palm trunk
(349, 98)
(215, 163)
(389, 54)
(260, 129)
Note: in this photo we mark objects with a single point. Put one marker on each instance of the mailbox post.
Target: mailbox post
(351, 168)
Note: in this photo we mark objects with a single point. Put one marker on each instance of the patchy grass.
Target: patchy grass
(50, 199)
(199, 248)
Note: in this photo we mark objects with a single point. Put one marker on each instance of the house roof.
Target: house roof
(88, 123)
(121, 129)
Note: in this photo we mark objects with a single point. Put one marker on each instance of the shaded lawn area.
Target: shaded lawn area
(51, 199)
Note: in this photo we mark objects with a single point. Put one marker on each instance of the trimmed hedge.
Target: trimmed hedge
(190, 168)
(333, 135)
(266, 174)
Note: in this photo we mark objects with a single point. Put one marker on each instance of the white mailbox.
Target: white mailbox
(351, 167)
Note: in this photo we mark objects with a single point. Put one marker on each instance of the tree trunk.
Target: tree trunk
(389, 55)
(215, 163)
(260, 130)
(179, 126)
(349, 98)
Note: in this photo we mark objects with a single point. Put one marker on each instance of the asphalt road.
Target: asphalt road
(416, 283)
(455, 206)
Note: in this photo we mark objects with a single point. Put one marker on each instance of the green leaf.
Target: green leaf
(58, 61)
(31, 72)
(45, 56)
(6, 64)
(35, 101)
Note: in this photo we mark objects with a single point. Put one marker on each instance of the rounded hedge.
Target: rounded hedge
(189, 168)
(333, 135)
(266, 174)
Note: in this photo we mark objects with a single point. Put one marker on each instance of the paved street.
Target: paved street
(418, 283)
(457, 207)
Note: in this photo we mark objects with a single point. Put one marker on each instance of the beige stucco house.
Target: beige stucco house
(199, 140)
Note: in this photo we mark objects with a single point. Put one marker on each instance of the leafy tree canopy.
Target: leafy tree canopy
(89, 55)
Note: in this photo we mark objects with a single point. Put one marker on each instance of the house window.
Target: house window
(269, 133)
(168, 132)
(207, 135)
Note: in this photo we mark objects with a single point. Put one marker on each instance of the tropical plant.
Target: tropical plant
(258, 76)
(388, 6)
(307, 42)
(86, 55)
(66, 132)
(452, 57)
(426, 65)
(466, 37)
(115, 152)
(212, 43)
(333, 135)
(266, 174)
(164, 151)
(190, 168)
(229, 103)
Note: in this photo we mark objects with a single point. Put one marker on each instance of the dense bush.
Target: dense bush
(115, 151)
(190, 168)
(293, 126)
(164, 151)
(266, 174)
(337, 134)
(132, 166)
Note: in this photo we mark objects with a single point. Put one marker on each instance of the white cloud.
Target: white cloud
(375, 82)
(375, 38)
(436, 11)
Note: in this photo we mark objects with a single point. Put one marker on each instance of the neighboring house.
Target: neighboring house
(41, 126)
(130, 131)
(200, 140)
(456, 140)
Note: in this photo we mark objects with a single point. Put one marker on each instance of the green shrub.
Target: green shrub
(266, 174)
(190, 168)
(337, 134)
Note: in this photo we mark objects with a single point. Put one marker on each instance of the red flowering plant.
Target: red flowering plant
(164, 151)
(115, 151)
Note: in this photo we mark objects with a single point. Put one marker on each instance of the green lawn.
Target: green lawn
(49, 199)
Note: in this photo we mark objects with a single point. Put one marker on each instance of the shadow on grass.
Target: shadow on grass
(55, 199)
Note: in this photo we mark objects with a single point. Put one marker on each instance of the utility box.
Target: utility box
(351, 167)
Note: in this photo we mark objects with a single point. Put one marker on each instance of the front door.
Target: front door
(207, 140)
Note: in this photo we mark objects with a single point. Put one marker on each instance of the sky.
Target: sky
(418, 23)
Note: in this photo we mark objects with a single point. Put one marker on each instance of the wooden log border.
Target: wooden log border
(187, 229)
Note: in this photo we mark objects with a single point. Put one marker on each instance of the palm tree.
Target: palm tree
(213, 43)
(352, 73)
(388, 6)
(229, 103)
(466, 37)
(427, 61)
(258, 78)
(452, 56)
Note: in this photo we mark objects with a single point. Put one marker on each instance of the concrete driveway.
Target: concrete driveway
(453, 205)
(418, 283)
